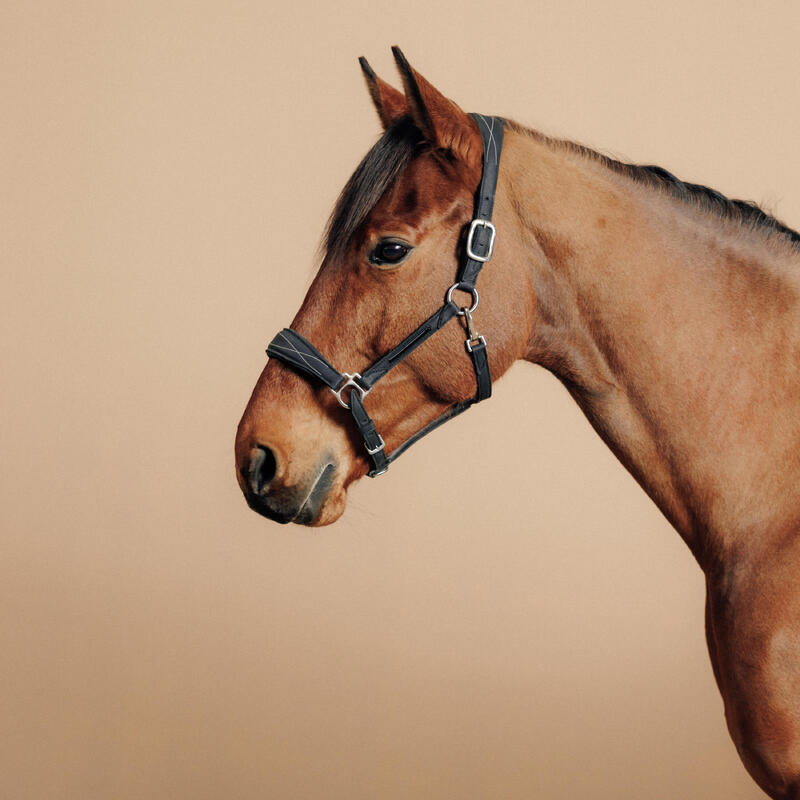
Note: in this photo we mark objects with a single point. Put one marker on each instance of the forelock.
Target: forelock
(385, 161)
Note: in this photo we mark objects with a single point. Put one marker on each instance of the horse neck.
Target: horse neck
(676, 331)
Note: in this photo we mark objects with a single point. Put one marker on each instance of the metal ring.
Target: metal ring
(350, 382)
(463, 287)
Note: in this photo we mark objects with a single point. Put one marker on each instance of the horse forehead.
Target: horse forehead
(425, 187)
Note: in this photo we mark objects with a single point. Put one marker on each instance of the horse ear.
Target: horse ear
(441, 121)
(390, 104)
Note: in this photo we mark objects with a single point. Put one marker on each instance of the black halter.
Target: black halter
(292, 348)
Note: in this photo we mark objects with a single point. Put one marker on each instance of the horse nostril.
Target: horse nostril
(262, 468)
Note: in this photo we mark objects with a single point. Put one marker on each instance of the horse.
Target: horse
(669, 312)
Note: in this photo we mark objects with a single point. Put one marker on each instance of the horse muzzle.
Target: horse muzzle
(310, 499)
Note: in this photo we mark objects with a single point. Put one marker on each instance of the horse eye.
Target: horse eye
(389, 251)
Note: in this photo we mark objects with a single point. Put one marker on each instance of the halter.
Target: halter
(293, 349)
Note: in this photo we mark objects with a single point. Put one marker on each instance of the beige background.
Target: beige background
(166, 173)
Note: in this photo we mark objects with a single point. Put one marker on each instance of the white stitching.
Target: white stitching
(491, 141)
(293, 348)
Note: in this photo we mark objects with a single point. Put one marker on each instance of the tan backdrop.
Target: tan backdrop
(166, 173)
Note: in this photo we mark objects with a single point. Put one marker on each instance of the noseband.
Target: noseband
(295, 350)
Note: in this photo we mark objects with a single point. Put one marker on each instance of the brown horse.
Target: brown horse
(669, 312)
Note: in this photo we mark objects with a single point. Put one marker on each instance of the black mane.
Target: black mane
(387, 158)
(744, 212)
(390, 155)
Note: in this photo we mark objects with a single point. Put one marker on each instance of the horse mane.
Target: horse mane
(402, 141)
(744, 212)
(386, 159)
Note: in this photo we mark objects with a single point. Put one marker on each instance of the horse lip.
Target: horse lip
(322, 483)
(257, 504)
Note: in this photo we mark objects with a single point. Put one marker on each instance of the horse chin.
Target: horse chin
(325, 500)
(317, 499)
(331, 509)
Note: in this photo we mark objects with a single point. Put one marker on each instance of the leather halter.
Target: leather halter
(295, 350)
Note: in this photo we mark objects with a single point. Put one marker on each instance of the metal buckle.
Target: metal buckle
(376, 449)
(484, 223)
(463, 287)
(350, 382)
(473, 337)
(471, 344)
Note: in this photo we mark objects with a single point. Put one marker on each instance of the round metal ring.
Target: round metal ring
(463, 287)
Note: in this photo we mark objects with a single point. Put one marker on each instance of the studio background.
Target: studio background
(505, 614)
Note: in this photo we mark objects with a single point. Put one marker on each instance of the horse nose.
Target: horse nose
(272, 491)
(262, 469)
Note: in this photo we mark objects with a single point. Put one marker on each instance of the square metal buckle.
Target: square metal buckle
(471, 344)
(376, 449)
(350, 380)
(482, 223)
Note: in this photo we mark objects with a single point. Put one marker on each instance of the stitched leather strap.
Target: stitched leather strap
(437, 320)
(480, 362)
(491, 129)
(373, 441)
(451, 412)
(292, 348)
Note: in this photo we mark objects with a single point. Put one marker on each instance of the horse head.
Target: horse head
(394, 243)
